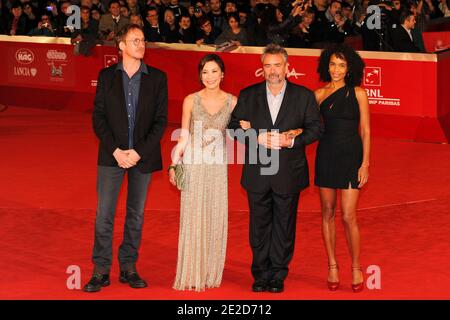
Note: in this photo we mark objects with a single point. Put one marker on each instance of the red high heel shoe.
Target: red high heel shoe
(333, 285)
(358, 287)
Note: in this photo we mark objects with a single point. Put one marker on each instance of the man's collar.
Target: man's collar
(142, 68)
(283, 89)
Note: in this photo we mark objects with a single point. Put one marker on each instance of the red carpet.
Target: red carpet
(47, 211)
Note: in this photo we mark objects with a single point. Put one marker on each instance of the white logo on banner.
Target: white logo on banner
(25, 72)
(110, 59)
(56, 55)
(372, 78)
(291, 73)
(24, 56)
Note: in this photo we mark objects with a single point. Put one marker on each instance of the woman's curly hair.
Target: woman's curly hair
(355, 64)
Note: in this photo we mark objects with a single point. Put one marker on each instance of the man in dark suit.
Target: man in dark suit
(129, 118)
(274, 181)
(402, 39)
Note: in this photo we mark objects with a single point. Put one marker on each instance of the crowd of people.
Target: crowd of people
(290, 23)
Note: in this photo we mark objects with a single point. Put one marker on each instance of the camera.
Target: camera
(49, 8)
(197, 10)
(45, 25)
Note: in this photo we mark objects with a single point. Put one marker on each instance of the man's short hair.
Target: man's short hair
(112, 2)
(404, 15)
(274, 48)
(122, 34)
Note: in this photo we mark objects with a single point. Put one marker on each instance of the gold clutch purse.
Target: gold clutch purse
(179, 175)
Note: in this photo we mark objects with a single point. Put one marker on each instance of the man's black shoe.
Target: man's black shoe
(260, 285)
(97, 282)
(276, 286)
(133, 279)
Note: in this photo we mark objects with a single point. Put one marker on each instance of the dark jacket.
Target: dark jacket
(298, 110)
(110, 119)
(401, 41)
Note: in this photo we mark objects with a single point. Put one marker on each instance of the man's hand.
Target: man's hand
(123, 159)
(110, 36)
(275, 140)
(133, 156)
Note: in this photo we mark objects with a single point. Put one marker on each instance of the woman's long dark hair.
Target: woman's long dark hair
(355, 65)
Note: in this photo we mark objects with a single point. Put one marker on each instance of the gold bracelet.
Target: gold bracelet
(171, 167)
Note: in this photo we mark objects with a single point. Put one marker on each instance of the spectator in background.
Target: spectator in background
(300, 34)
(278, 29)
(44, 28)
(259, 30)
(187, 33)
(444, 7)
(170, 28)
(2, 19)
(234, 33)
(178, 10)
(17, 22)
(230, 7)
(338, 26)
(100, 5)
(136, 19)
(95, 13)
(32, 19)
(112, 22)
(319, 27)
(64, 30)
(196, 12)
(206, 35)
(152, 30)
(89, 27)
(134, 7)
(125, 11)
(402, 39)
(217, 17)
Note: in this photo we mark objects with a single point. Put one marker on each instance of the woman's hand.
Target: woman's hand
(363, 175)
(172, 176)
(245, 124)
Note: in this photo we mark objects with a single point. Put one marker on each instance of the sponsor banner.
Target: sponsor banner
(38, 65)
(394, 87)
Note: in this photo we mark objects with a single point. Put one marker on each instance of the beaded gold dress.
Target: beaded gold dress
(204, 201)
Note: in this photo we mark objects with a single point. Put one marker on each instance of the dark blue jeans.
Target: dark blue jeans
(109, 182)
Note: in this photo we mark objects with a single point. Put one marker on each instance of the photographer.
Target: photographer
(339, 25)
(44, 28)
(379, 39)
(196, 13)
(277, 29)
(89, 27)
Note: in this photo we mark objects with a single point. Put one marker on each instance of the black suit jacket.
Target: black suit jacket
(110, 118)
(298, 110)
(401, 42)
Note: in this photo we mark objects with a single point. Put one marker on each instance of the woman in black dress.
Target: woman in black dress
(342, 160)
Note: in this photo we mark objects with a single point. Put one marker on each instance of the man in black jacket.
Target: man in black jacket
(402, 40)
(129, 118)
(275, 169)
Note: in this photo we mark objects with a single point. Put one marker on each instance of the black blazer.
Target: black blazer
(110, 118)
(401, 42)
(298, 110)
